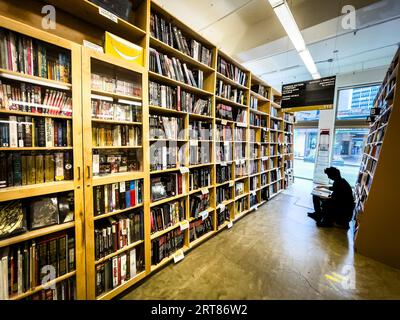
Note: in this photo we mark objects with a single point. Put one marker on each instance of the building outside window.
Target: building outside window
(305, 146)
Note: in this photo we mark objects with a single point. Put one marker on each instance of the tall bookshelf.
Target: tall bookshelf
(376, 212)
(39, 180)
(223, 156)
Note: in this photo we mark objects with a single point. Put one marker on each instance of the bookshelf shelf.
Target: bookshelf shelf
(154, 204)
(161, 110)
(117, 177)
(117, 147)
(158, 77)
(200, 116)
(118, 252)
(18, 76)
(117, 122)
(258, 112)
(167, 170)
(230, 102)
(115, 96)
(33, 114)
(159, 45)
(166, 230)
(35, 148)
(110, 214)
(116, 291)
(201, 239)
(231, 82)
(241, 196)
(42, 287)
(194, 166)
(259, 96)
(36, 234)
(34, 190)
(200, 189)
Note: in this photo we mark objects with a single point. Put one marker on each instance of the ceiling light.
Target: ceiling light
(286, 18)
(308, 61)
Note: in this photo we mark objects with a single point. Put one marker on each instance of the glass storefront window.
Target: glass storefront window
(355, 103)
(307, 116)
(348, 150)
(305, 146)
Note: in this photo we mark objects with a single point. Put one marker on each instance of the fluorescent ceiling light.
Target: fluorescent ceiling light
(286, 18)
(308, 61)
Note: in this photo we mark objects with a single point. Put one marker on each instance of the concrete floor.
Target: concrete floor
(275, 253)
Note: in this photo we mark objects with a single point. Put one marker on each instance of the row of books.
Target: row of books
(199, 228)
(223, 152)
(167, 185)
(229, 92)
(253, 103)
(20, 169)
(33, 263)
(200, 154)
(117, 232)
(261, 90)
(106, 110)
(275, 124)
(167, 215)
(224, 193)
(254, 183)
(116, 136)
(223, 216)
(231, 71)
(169, 128)
(289, 117)
(174, 69)
(200, 130)
(224, 173)
(223, 133)
(240, 134)
(108, 162)
(239, 188)
(274, 112)
(163, 156)
(253, 169)
(23, 54)
(113, 84)
(223, 111)
(119, 269)
(254, 200)
(198, 203)
(199, 178)
(117, 196)
(27, 131)
(257, 120)
(166, 245)
(21, 96)
(170, 34)
(240, 151)
(241, 205)
(20, 216)
(63, 291)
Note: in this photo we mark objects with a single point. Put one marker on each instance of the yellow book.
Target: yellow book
(49, 168)
(39, 168)
(123, 49)
(31, 170)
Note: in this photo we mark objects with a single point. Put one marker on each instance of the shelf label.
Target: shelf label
(226, 143)
(242, 161)
(254, 208)
(221, 207)
(230, 224)
(178, 256)
(194, 143)
(265, 129)
(264, 158)
(204, 191)
(253, 193)
(241, 125)
(108, 15)
(92, 46)
(231, 183)
(203, 215)
(184, 170)
(224, 122)
(223, 164)
(184, 225)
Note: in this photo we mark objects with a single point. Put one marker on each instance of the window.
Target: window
(307, 116)
(348, 150)
(355, 103)
(305, 146)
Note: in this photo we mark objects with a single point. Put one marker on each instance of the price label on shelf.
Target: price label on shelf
(224, 122)
(230, 224)
(222, 207)
(194, 143)
(231, 183)
(184, 225)
(204, 191)
(178, 256)
(226, 143)
(242, 161)
(265, 129)
(223, 164)
(108, 15)
(254, 193)
(264, 158)
(254, 208)
(184, 170)
(241, 125)
(203, 215)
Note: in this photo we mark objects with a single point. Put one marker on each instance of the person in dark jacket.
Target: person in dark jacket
(337, 210)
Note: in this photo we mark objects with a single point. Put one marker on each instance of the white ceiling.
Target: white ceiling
(250, 31)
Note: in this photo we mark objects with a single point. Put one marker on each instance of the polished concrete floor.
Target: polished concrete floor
(275, 253)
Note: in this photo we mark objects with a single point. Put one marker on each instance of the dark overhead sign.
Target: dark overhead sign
(309, 95)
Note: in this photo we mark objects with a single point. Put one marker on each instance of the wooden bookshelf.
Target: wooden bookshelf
(376, 213)
(51, 188)
(80, 20)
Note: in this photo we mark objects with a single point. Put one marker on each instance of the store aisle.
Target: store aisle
(275, 253)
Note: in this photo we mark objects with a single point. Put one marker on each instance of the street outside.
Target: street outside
(304, 169)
